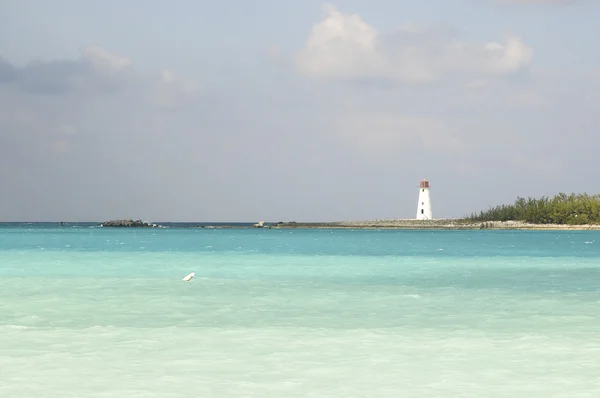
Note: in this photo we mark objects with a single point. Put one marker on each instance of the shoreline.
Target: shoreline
(396, 224)
(441, 224)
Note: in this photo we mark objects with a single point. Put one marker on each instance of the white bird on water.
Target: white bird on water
(188, 277)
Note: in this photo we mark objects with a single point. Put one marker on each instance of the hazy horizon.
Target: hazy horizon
(281, 111)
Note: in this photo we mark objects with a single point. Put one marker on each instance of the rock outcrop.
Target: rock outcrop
(128, 224)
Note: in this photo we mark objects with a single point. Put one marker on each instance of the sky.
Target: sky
(277, 110)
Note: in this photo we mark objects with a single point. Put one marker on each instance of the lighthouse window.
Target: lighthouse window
(422, 203)
(422, 211)
(423, 190)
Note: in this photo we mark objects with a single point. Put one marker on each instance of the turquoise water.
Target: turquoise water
(99, 312)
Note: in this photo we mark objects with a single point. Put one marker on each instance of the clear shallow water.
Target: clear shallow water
(98, 312)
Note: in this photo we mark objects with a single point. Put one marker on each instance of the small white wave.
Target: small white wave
(17, 327)
(102, 328)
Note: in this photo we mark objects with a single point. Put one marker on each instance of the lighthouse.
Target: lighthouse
(424, 205)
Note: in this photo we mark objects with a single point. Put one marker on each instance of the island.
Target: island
(128, 224)
(562, 209)
(437, 224)
(561, 212)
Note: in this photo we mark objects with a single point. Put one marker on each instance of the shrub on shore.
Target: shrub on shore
(572, 209)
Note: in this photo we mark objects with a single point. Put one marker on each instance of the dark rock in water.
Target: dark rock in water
(128, 224)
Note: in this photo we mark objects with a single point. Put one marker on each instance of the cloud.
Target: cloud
(104, 60)
(100, 136)
(452, 120)
(96, 72)
(97, 112)
(344, 46)
(7, 71)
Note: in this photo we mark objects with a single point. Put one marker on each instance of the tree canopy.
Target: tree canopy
(573, 209)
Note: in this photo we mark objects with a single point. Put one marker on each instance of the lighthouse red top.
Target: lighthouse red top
(424, 184)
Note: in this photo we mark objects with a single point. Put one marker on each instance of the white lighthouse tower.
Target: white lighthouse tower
(424, 205)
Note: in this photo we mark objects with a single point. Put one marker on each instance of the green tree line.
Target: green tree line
(573, 209)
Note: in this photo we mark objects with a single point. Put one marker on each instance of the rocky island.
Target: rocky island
(128, 224)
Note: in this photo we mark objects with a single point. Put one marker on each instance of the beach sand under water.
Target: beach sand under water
(100, 312)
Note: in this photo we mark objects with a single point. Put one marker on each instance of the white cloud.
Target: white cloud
(345, 46)
(102, 58)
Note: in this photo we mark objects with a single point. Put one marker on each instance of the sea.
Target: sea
(87, 311)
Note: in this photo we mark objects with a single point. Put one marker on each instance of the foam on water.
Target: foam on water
(104, 313)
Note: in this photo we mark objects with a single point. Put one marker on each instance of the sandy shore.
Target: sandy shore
(408, 224)
(441, 224)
